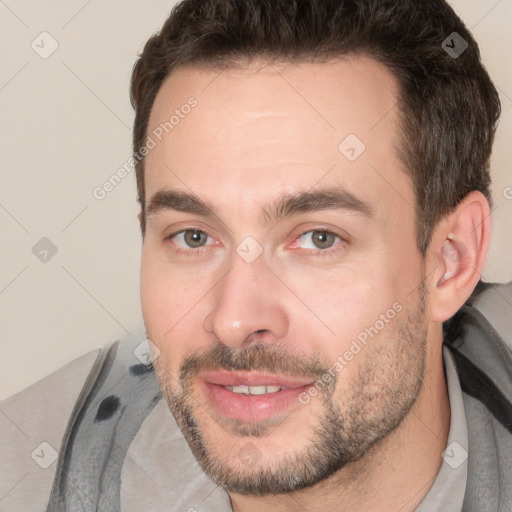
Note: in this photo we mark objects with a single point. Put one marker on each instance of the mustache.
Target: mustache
(259, 356)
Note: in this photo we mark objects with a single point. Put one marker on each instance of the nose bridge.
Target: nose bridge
(245, 302)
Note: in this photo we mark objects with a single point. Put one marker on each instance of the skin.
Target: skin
(260, 132)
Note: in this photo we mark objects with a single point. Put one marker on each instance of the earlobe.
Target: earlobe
(460, 246)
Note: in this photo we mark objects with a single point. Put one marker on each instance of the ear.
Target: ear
(456, 255)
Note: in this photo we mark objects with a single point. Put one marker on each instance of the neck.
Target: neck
(395, 474)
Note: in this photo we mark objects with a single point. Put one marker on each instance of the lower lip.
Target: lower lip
(251, 408)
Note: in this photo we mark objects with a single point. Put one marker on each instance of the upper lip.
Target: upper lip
(227, 378)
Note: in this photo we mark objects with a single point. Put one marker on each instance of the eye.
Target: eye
(320, 241)
(189, 238)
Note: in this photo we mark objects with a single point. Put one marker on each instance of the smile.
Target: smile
(254, 390)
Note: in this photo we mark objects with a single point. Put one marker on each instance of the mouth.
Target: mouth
(250, 396)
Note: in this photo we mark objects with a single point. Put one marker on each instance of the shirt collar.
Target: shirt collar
(448, 489)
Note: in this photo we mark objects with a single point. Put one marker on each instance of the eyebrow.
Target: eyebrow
(311, 201)
(287, 205)
(179, 201)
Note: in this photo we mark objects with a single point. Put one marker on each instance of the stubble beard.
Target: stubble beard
(376, 403)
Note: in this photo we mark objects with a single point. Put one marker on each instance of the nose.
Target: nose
(247, 306)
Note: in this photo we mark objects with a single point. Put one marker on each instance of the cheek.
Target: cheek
(350, 309)
(342, 299)
(173, 301)
(152, 292)
(161, 306)
(159, 310)
(167, 292)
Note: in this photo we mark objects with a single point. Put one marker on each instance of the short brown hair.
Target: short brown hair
(449, 106)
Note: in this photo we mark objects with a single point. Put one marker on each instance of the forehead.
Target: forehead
(264, 129)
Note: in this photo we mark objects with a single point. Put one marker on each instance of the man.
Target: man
(314, 187)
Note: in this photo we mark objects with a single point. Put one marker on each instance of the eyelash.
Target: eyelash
(312, 252)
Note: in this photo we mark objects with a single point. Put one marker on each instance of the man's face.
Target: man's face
(326, 289)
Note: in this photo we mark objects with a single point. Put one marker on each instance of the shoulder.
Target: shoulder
(482, 328)
(494, 302)
(32, 424)
(479, 338)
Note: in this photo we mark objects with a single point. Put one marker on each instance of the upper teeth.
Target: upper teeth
(254, 390)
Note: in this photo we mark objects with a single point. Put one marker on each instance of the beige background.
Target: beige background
(66, 128)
